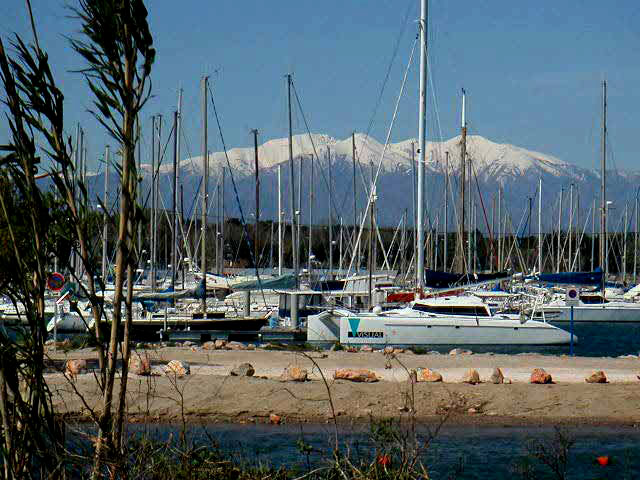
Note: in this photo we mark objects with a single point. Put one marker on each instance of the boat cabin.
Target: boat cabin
(464, 306)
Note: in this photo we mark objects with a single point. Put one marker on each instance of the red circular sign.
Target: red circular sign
(55, 281)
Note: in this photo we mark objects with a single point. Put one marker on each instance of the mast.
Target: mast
(279, 220)
(603, 187)
(256, 233)
(330, 214)
(299, 209)
(578, 243)
(370, 259)
(422, 117)
(463, 166)
(624, 245)
(415, 203)
(570, 267)
(174, 204)
(635, 243)
(177, 219)
(493, 232)
(593, 234)
(139, 183)
(540, 225)
(205, 193)
(152, 247)
(559, 231)
(499, 235)
(222, 224)
(355, 205)
(294, 243)
(310, 216)
(105, 214)
(474, 209)
(469, 218)
(340, 247)
(446, 215)
(156, 185)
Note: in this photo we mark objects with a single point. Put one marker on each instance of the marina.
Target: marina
(276, 241)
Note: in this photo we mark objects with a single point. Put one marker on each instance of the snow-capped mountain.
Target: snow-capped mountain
(515, 169)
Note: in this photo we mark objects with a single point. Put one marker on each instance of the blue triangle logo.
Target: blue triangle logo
(354, 323)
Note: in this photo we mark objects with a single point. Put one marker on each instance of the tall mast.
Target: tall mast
(330, 214)
(256, 233)
(540, 225)
(174, 204)
(492, 233)
(422, 117)
(299, 209)
(340, 247)
(635, 242)
(152, 247)
(570, 239)
(294, 243)
(205, 194)
(222, 224)
(446, 215)
(624, 245)
(177, 219)
(499, 235)
(469, 217)
(415, 202)
(139, 184)
(105, 202)
(559, 230)
(280, 247)
(355, 205)
(156, 184)
(603, 187)
(593, 234)
(310, 216)
(463, 166)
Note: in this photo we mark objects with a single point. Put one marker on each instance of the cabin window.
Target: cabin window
(592, 299)
(471, 310)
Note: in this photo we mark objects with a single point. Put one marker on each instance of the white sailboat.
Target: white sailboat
(591, 308)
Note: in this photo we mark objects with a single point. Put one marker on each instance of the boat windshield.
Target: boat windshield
(468, 310)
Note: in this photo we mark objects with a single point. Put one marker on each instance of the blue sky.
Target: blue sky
(532, 70)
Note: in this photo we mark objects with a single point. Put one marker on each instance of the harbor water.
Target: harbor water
(461, 452)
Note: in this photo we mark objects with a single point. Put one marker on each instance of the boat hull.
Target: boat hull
(592, 313)
(378, 330)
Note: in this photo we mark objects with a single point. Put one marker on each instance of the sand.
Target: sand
(209, 394)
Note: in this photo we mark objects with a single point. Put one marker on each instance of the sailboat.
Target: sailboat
(464, 320)
(592, 307)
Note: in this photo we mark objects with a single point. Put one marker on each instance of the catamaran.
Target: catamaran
(461, 320)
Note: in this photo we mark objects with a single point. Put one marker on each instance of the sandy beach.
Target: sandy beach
(210, 394)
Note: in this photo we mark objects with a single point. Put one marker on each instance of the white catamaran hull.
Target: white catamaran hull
(423, 330)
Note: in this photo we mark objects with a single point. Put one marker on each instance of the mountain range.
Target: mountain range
(514, 169)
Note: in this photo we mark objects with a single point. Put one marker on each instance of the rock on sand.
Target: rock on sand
(428, 375)
(243, 370)
(596, 377)
(355, 375)
(472, 377)
(294, 374)
(540, 376)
